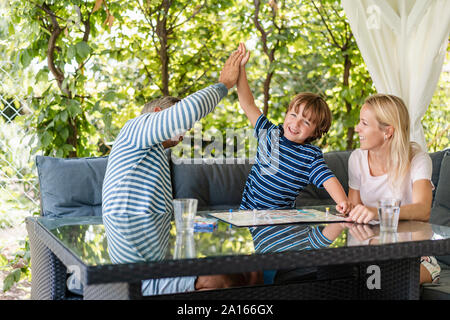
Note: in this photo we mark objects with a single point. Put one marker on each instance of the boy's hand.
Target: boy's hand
(344, 207)
(230, 71)
(245, 54)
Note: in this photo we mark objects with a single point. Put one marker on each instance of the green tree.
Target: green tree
(61, 39)
(342, 65)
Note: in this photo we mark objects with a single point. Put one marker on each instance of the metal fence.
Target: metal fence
(17, 171)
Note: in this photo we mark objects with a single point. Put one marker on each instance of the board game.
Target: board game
(248, 218)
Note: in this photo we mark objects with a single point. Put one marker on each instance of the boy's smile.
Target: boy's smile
(298, 127)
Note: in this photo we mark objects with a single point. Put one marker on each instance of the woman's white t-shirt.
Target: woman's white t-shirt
(371, 188)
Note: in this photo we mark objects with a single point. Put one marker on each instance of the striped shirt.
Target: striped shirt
(288, 238)
(282, 169)
(137, 191)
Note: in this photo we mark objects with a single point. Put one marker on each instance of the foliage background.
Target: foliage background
(85, 67)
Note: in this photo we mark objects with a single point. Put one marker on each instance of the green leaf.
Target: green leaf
(59, 153)
(109, 96)
(46, 139)
(68, 148)
(73, 108)
(42, 75)
(64, 133)
(8, 282)
(3, 260)
(71, 52)
(16, 274)
(25, 58)
(10, 279)
(83, 50)
(64, 116)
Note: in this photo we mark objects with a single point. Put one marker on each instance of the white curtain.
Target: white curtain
(403, 43)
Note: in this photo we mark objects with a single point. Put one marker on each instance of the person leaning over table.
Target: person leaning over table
(137, 192)
(388, 165)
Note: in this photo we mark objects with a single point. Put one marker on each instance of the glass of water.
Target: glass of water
(184, 212)
(388, 213)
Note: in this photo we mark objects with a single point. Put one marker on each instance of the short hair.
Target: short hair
(163, 103)
(318, 111)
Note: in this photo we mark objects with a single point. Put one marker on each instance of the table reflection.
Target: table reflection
(87, 239)
(289, 238)
(185, 246)
(366, 234)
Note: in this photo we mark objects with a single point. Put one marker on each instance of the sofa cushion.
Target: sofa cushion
(337, 161)
(440, 212)
(216, 185)
(438, 291)
(71, 187)
(436, 159)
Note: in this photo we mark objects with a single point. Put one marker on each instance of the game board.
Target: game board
(247, 218)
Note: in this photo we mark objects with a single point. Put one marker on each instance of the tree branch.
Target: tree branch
(258, 26)
(182, 93)
(55, 32)
(191, 17)
(326, 25)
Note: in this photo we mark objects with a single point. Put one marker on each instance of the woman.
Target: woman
(388, 165)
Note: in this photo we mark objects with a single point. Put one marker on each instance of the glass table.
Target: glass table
(356, 261)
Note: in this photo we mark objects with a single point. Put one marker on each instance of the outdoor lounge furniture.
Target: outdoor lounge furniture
(72, 188)
(344, 270)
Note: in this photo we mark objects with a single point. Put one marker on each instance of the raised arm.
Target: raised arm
(245, 95)
(157, 127)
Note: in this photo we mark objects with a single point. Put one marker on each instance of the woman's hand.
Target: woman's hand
(361, 232)
(362, 214)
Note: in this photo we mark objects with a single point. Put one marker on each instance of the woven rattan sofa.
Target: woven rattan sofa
(72, 187)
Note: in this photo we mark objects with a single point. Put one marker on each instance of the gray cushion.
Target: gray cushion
(215, 185)
(71, 187)
(439, 291)
(436, 159)
(440, 212)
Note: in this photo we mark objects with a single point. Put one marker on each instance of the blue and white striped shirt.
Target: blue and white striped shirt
(288, 238)
(137, 190)
(282, 169)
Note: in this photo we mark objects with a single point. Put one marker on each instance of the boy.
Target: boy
(285, 161)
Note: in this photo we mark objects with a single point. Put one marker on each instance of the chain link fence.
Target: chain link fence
(18, 177)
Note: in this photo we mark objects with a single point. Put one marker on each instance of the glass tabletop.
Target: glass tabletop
(86, 238)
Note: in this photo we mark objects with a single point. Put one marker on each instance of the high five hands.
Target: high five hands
(230, 71)
(245, 54)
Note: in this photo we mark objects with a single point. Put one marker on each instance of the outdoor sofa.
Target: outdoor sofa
(72, 187)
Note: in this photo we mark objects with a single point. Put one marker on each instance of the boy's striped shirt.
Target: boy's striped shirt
(288, 238)
(282, 169)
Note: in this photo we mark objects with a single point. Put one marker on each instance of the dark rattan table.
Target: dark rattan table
(361, 263)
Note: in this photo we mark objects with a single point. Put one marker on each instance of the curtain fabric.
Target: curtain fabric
(403, 43)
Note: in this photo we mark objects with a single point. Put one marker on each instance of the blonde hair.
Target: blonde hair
(391, 111)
